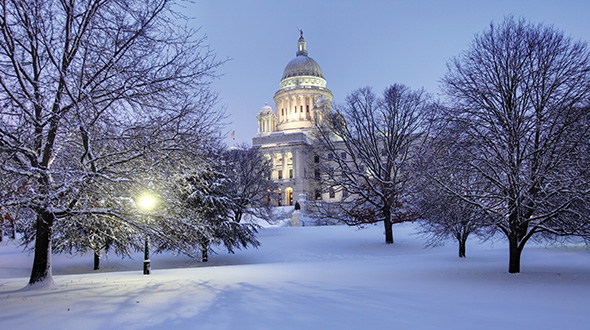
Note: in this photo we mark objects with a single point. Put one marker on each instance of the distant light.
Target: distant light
(146, 202)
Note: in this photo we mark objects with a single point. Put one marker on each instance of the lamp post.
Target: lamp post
(146, 203)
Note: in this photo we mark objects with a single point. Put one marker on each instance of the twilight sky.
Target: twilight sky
(356, 43)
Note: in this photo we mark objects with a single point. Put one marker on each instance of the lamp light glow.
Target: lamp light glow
(146, 202)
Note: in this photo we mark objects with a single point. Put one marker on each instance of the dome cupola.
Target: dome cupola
(266, 110)
(301, 45)
(302, 65)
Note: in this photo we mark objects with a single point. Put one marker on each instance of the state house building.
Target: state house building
(285, 134)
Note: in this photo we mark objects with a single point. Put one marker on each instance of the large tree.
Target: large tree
(368, 148)
(94, 94)
(518, 96)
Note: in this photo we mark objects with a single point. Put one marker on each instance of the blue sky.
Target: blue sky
(357, 43)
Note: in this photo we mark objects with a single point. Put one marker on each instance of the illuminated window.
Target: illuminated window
(289, 193)
(318, 194)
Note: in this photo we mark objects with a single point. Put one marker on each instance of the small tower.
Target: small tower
(266, 120)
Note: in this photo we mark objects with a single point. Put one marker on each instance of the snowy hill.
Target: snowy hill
(308, 278)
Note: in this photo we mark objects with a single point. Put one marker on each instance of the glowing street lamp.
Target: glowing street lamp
(146, 203)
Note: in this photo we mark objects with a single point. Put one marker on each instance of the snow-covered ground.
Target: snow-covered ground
(308, 278)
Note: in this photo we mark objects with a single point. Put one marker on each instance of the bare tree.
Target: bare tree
(368, 148)
(251, 184)
(94, 94)
(519, 93)
(442, 211)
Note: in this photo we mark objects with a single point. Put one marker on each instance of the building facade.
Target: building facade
(285, 133)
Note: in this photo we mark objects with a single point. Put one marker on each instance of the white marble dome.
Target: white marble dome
(302, 65)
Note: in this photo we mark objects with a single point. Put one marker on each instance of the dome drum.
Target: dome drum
(303, 82)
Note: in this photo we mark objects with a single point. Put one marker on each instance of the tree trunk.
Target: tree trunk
(462, 239)
(205, 255)
(96, 260)
(13, 226)
(515, 252)
(42, 261)
(388, 230)
(462, 243)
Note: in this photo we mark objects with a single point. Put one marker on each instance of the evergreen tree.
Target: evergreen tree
(200, 215)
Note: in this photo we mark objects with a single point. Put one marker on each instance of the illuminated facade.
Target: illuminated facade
(285, 134)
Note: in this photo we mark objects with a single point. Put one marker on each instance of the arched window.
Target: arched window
(289, 195)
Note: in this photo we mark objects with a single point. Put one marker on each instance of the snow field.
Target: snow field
(308, 278)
